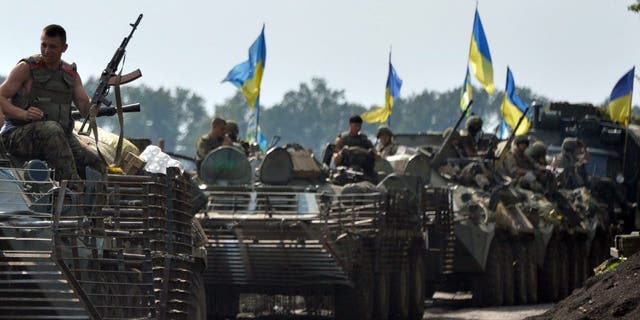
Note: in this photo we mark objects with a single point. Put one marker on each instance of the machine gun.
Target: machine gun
(109, 77)
(445, 148)
(109, 111)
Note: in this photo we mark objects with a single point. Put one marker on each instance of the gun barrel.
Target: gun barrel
(109, 111)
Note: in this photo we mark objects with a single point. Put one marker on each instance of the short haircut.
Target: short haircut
(54, 30)
(218, 121)
(355, 119)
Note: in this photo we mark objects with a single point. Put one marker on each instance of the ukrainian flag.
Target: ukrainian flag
(467, 92)
(480, 57)
(512, 107)
(381, 114)
(247, 76)
(620, 99)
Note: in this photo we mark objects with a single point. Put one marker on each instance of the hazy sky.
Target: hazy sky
(573, 50)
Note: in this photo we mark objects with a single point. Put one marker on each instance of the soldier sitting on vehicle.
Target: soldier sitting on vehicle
(571, 164)
(524, 170)
(354, 150)
(232, 132)
(36, 100)
(212, 140)
(385, 145)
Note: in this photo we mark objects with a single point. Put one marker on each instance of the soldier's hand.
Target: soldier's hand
(33, 114)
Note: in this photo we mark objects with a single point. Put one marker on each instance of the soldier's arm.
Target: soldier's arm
(80, 97)
(18, 77)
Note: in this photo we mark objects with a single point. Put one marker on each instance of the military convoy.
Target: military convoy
(285, 237)
(351, 250)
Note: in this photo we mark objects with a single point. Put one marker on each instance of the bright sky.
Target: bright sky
(572, 50)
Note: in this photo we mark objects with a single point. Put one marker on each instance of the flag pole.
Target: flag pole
(389, 67)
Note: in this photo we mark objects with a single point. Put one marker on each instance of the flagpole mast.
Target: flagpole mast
(389, 67)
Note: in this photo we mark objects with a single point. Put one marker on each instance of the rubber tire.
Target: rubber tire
(487, 287)
(198, 297)
(507, 273)
(563, 269)
(222, 302)
(578, 263)
(520, 273)
(416, 284)
(399, 292)
(532, 275)
(381, 296)
(356, 302)
(548, 280)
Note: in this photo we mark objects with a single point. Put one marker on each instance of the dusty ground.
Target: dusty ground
(502, 313)
(612, 295)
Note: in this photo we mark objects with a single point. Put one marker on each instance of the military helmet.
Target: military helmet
(537, 150)
(384, 130)
(475, 122)
(521, 139)
(570, 144)
(232, 127)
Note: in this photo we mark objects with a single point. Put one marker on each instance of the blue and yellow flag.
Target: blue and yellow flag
(381, 114)
(467, 92)
(247, 76)
(480, 57)
(512, 107)
(620, 99)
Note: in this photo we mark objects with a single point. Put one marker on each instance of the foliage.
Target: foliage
(635, 7)
(178, 116)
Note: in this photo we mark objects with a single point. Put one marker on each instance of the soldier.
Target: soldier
(36, 100)
(385, 146)
(212, 140)
(538, 153)
(571, 164)
(468, 142)
(351, 138)
(524, 170)
(232, 132)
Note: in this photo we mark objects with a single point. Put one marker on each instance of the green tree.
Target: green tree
(312, 116)
(635, 7)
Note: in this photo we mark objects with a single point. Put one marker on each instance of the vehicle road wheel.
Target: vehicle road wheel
(198, 299)
(563, 269)
(487, 287)
(222, 302)
(381, 296)
(520, 270)
(399, 298)
(507, 273)
(356, 302)
(532, 275)
(416, 284)
(549, 281)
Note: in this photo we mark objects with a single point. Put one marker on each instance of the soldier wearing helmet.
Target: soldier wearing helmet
(522, 168)
(469, 145)
(385, 145)
(213, 139)
(232, 131)
(538, 153)
(570, 164)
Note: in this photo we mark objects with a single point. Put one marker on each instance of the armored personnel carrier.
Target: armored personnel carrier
(119, 246)
(503, 243)
(285, 232)
(613, 152)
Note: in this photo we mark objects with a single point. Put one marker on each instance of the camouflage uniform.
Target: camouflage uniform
(524, 170)
(573, 174)
(204, 145)
(52, 139)
(388, 149)
(468, 143)
(358, 140)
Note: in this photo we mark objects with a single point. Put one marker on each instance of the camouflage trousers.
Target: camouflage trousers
(46, 140)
